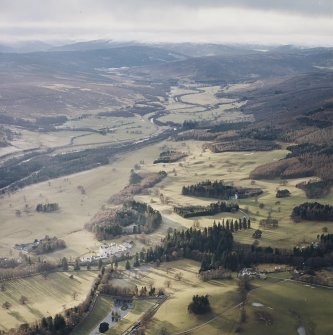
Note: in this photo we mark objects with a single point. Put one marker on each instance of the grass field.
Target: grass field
(201, 104)
(173, 313)
(101, 183)
(76, 209)
(102, 308)
(206, 96)
(45, 297)
(291, 305)
(235, 167)
(121, 129)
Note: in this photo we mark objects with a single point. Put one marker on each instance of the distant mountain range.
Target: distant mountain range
(89, 61)
(201, 62)
(188, 49)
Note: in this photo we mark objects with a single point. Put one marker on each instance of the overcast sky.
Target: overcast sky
(301, 22)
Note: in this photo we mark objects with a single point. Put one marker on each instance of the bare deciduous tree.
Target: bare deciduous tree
(179, 276)
(23, 299)
(6, 305)
(167, 283)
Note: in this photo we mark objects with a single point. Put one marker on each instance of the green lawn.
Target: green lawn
(173, 314)
(291, 305)
(101, 309)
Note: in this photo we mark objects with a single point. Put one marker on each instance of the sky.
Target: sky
(299, 22)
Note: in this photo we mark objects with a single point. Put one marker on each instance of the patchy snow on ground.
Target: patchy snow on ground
(257, 304)
(301, 330)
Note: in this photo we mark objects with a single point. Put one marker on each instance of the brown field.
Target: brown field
(75, 209)
(45, 297)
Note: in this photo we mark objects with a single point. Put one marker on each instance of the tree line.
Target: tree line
(211, 209)
(214, 248)
(47, 208)
(315, 188)
(219, 190)
(169, 156)
(26, 268)
(242, 144)
(313, 211)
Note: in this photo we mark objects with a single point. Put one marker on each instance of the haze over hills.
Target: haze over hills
(25, 46)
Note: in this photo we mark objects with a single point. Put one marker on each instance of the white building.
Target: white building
(108, 250)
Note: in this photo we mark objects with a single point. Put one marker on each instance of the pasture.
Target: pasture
(45, 296)
(291, 306)
(201, 103)
(76, 208)
(83, 132)
(234, 168)
(180, 281)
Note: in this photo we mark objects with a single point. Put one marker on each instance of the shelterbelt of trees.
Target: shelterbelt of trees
(47, 208)
(170, 156)
(211, 209)
(219, 190)
(313, 211)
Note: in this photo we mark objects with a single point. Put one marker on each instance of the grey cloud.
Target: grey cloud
(302, 7)
(49, 8)
(278, 21)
